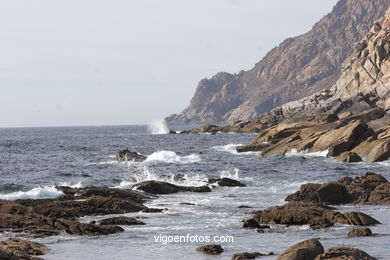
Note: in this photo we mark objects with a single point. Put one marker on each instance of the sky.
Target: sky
(122, 62)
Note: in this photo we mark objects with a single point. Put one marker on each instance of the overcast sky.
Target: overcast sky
(109, 62)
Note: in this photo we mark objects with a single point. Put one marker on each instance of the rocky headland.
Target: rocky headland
(349, 120)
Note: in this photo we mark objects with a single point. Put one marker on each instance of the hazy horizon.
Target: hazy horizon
(96, 63)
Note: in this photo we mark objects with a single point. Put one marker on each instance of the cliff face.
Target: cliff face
(298, 67)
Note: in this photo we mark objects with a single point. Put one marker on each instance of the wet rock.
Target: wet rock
(305, 250)
(127, 155)
(212, 249)
(253, 224)
(227, 182)
(248, 256)
(17, 248)
(153, 210)
(123, 221)
(159, 187)
(381, 194)
(244, 207)
(360, 232)
(340, 253)
(314, 214)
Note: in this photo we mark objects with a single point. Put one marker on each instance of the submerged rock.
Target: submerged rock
(127, 155)
(304, 250)
(159, 187)
(248, 256)
(212, 249)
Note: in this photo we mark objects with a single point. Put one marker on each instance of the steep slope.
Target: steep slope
(296, 68)
(351, 120)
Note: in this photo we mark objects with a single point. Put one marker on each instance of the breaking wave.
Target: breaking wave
(43, 192)
(231, 148)
(295, 152)
(172, 157)
(158, 127)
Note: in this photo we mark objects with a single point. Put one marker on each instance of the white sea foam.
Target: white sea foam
(234, 174)
(158, 127)
(172, 157)
(232, 148)
(36, 193)
(147, 174)
(295, 152)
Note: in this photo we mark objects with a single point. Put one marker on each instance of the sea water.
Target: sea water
(34, 160)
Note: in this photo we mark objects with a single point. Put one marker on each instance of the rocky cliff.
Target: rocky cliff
(298, 67)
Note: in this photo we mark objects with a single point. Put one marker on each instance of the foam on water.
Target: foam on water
(232, 148)
(295, 152)
(36, 193)
(172, 157)
(158, 127)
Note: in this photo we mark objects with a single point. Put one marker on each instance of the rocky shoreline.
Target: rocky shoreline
(308, 206)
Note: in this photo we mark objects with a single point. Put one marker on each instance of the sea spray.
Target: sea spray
(158, 127)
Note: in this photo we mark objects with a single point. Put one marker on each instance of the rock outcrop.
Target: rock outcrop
(15, 248)
(314, 214)
(370, 188)
(226, 182)
(360, 232)
(248, 256)
(47, 217)
(298, 67)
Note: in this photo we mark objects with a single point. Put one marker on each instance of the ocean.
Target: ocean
(34, 160)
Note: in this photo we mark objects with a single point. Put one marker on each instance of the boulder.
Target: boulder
(227, 182)
(212, 249)
(381, 194)
(159, 187)
(360, 232)
(304, 250)
(341, 253)
(124, 221)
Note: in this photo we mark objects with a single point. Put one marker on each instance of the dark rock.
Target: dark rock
(244, 207)
(127, 155)
(314, 214)
(248, 256)
(153, 210)
(304, 250)
(227, 182)
(341, 253)
(21, 249)
(332, 193)
(210, 249)
(159, 187)
(381, 194)
(121, 221)
(360, 232)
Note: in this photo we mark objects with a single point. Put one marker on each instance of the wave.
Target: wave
(234, 174)
(147, 174)
(43, 192)
(295, 152)
(158, 127)
(232, 148)
(172, 157)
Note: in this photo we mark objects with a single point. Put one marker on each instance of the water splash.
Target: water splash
(172, 157)
(295, 152)
(36, 193)
(158, 127)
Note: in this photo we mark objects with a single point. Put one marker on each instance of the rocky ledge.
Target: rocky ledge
(15, 249)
